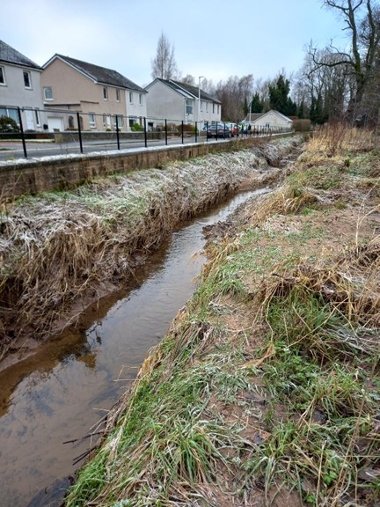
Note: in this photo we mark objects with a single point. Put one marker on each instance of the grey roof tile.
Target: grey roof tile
(10, 55)
(190, 89)
(101, 74)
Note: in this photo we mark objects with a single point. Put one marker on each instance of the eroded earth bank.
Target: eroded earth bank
(62, 251)
(265, 390)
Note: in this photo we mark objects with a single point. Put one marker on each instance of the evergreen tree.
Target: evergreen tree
(279, 97)
(278, 94)
(256, 104)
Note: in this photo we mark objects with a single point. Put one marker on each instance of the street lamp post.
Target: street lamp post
(199, 97)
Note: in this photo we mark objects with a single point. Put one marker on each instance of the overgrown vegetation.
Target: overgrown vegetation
(64, 249)
(265, 390)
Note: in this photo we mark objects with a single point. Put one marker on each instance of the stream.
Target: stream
(61, 393)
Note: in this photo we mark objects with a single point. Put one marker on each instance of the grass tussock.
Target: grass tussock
(334, 139)
(265, 390)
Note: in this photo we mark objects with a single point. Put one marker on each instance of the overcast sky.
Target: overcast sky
(212, 38)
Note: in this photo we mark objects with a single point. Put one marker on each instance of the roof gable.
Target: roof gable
(252, 117)
(186, 90)
(11, 55)
(194, 91)
(100, 75)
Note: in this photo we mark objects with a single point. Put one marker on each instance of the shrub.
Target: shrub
(302, 125)
(187, 127)
(8, 125)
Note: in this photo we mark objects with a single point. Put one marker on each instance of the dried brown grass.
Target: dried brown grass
(332, 141)
(58, 250)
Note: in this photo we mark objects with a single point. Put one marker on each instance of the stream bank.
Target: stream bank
(62, 392)
(61, 252)
(265, 389)
(58, 385)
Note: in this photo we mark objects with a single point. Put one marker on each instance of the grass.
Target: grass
(59, 247)
(265, 389)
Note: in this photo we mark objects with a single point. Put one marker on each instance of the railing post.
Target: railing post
(196, 131)
(166, 132)
(22, 132)
(79, 133)
(145, 134)
(182, 130)
(117, 132)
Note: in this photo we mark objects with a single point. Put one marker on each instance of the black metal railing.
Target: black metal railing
(59, 131)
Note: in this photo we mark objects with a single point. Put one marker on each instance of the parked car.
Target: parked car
(233, 128)
(218, 130)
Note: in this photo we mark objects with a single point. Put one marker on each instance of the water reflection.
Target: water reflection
(67, 387)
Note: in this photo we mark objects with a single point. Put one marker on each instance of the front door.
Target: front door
(29, 120)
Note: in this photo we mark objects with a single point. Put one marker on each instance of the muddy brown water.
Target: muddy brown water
(62, 392)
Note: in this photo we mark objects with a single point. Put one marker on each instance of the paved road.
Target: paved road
(12, 150)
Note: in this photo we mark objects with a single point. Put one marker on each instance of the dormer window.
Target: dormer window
(27, 79)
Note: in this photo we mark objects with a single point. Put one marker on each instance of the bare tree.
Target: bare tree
(188, 79)
(164, 65)
(234, 95)
(261, 88)
(329, 83)
(362, 22)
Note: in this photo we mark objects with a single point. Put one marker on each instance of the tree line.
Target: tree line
(333, 84)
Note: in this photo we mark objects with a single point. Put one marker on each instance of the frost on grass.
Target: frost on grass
(59, 246)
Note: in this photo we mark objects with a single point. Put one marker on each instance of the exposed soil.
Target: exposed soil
(343, 233)
(320, 234)
(331, 227)
(77, 293)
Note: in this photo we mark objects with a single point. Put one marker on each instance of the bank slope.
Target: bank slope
(265, 389)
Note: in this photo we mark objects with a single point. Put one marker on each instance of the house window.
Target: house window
(37, 117)
(2, 76)
(104, 120)
(91, 120)
(140, 98)
(105, 93)
(213, 108)
(48, 93)
(120, 121)
(11, 113)
(131, 97)
(27, 80)
(189, 106)
(117, 95)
